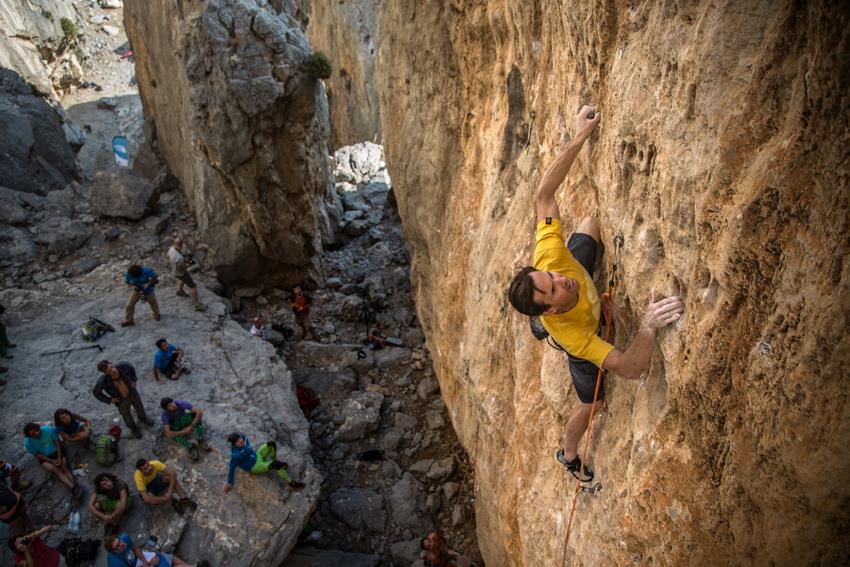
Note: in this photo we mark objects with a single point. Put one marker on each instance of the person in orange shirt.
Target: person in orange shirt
(559, 289)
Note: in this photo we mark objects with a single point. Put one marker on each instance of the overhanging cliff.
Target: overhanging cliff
(722, 159)
(243, 127)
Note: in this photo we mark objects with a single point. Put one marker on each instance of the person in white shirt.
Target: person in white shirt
(180, 269)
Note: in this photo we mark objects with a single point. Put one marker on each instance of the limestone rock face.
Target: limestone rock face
(35, 154)
(722, 160)
(241, 126)
(239, 382)
(348, 33)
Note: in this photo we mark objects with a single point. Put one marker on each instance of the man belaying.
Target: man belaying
(560, 290)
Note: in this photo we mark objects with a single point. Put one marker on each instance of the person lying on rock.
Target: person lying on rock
(179, 419)
(259, 329)
(168, 361)
(122, 552)
(30, 551)
(142, 282)
(117, 386)
(301, 307)
(157, 485)
(72, 428)
(110, 500)
(261, 461)
(13, 473)
(43, 443)
(559, 289)
(179, 260)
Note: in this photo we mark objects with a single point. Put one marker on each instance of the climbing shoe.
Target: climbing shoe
(182, 293)
(188, 504)
(295, 485)
(127, 323)
(194, 453)
(574, 467)
(200, 307)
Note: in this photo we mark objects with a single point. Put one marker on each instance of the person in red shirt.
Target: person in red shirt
(301, 308)
(30, 551)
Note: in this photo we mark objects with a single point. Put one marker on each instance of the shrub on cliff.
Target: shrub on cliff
(69, 28)
(318, 66)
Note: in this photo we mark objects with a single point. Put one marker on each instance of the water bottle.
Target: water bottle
(151, 544)
(74, 522)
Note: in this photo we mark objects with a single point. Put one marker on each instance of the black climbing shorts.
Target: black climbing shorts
(584, 372)
(186, 279)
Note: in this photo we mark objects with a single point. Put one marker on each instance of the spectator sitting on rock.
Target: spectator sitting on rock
(12, 472)
(157, 484)
(13, 510)
(5, 344)
(72, 428)
(122, 552)
(42, 442)
(117, 386)
(168, 361)
(179, 419)
(259, 329)
(261, 461)
(301, 307)
(110, 500)
(142, 281)
(180, 266)
(30, 551)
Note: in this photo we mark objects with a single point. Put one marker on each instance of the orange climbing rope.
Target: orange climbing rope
(608, 310)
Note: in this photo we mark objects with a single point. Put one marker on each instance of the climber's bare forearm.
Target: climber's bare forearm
(633, 362)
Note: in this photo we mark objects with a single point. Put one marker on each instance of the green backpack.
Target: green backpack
(106, 450)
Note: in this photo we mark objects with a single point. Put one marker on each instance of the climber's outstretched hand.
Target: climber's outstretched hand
(662, 311)
(584, 123)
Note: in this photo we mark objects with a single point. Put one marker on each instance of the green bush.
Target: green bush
(318, 66)
(69, 28)
(47, 14)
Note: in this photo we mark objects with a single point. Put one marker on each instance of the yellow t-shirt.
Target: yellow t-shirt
(142, 480)
(576, 329)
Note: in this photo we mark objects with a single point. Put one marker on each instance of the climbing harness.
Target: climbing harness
(608, 310)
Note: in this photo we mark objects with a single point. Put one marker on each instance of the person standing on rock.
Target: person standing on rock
(560, 290)
(117, 386)
(179, 420)
(301, 307)
(43, 443)
(180, 269)
(261, 461)
(168, 361)
(142, 282)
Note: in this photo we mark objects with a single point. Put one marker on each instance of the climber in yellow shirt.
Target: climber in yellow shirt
(559, 289)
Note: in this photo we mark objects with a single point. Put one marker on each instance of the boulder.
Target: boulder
(35, 155)
(326, 384)
(121, 192)
(360, 415)
(359, 508)
(350, 308)
(61, 235)
(403, 553)
(228, 367)
(406, 500)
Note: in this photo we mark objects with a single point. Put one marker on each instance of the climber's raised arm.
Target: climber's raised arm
(660, 313)
(547, 205)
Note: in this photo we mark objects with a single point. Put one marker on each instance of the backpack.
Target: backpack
(307, 398)
(94, 328)
(106, 450)
(76, 550)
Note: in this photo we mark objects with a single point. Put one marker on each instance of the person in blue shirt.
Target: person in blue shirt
(168, 361)
(42, 442)
(261, 461)
(122, 552)
(142, 282)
